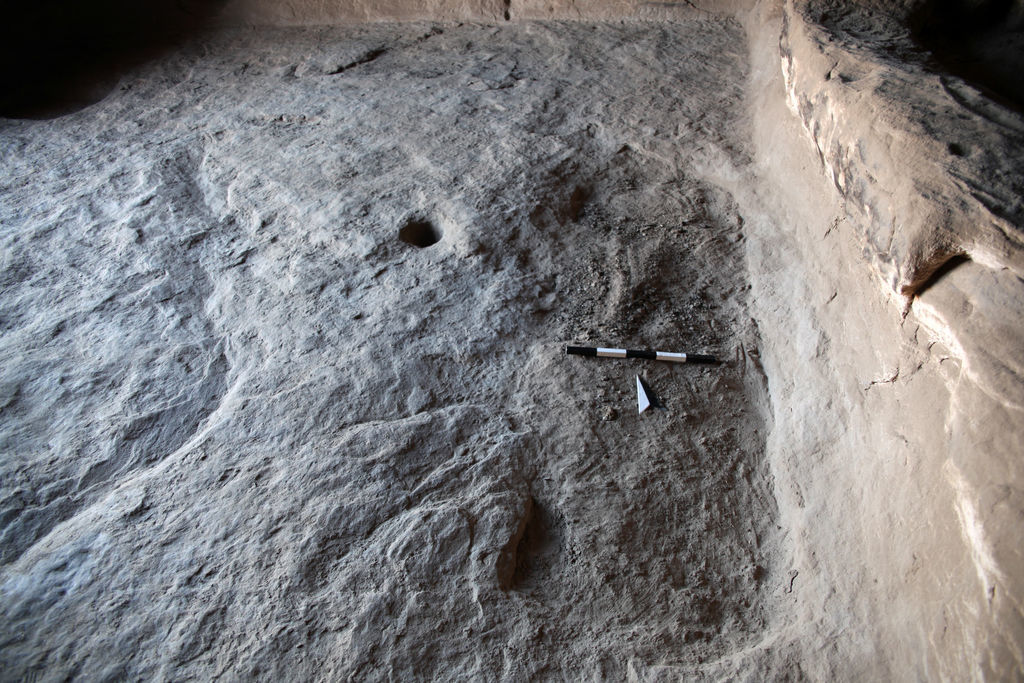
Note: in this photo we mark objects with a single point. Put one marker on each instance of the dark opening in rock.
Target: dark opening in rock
(60, 56)
(420, 233)
(981, 41)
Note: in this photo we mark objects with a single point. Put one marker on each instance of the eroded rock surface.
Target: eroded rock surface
(282, 390)
(283, 383)
(924, 159)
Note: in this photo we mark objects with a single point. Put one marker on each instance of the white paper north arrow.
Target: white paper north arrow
(642, 402)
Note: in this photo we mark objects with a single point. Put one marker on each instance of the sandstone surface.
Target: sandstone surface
(254, 431)
(283, 393)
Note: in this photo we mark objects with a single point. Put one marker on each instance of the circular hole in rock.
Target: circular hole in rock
(420, 233)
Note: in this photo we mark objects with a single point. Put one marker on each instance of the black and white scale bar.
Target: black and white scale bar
(602, 352)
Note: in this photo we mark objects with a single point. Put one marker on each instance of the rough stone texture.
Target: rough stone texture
(896, 435)
(920, 158)
(249, 428)
(312, 12)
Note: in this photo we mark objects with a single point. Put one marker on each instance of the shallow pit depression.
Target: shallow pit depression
(249, 430)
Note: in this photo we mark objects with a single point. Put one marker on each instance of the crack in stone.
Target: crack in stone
(365, 59)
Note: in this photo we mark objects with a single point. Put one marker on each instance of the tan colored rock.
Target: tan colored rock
(919, 158)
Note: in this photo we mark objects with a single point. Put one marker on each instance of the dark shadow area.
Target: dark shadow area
(981, 41)
(942, 271)
(420, 233)
(536, 550)
(60, 56)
